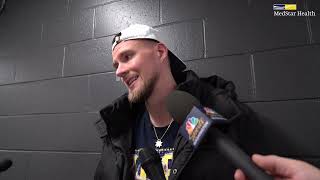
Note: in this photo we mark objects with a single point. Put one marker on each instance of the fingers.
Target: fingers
(275, 165)
(278, 167)
(239, 175)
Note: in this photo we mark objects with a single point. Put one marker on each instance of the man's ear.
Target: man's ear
(162, 52)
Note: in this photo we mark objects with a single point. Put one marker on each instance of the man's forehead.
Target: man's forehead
(124, 46)
(134, 44)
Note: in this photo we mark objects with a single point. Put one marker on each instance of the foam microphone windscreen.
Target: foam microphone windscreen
(179, 105)
(5, 164)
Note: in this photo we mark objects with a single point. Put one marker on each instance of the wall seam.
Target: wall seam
(63, 61)
(94, 23)
(308, 21)
(47, 114)
(55, 78)
(28, 167)
(253, 78)
(42, 28)
(89, 97)
(14, 72)
(52, 152)
(204, 38)
(160, 12)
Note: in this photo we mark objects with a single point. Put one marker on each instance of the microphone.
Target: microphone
(196, 120)
(151, 163)
(5, 164)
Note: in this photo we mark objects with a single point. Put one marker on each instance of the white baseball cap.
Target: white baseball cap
(141, 31)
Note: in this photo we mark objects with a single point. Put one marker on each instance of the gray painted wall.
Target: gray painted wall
(56, 73)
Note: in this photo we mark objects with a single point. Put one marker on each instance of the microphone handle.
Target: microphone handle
(151, 163)
(237, 157)
(154, 173)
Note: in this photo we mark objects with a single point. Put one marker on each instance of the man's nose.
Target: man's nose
(121, 70)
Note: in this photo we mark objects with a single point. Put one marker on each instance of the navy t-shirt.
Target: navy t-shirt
(144, 136)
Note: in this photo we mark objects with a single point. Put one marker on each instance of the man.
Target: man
(140, 118)
(283, 168)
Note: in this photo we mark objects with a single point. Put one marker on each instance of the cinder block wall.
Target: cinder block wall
(56, 73)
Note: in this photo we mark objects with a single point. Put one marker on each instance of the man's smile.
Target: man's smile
(130, 81)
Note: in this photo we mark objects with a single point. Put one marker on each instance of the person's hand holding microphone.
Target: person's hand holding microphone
(283, 168)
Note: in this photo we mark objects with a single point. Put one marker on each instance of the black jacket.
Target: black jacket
(116, 131)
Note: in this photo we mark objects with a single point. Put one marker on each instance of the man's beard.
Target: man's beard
(142, 94)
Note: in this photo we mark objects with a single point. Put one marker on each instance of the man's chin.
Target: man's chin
(135, 97)
(141, 93)
(138, 96)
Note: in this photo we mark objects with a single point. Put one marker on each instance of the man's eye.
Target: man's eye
(127, 57)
